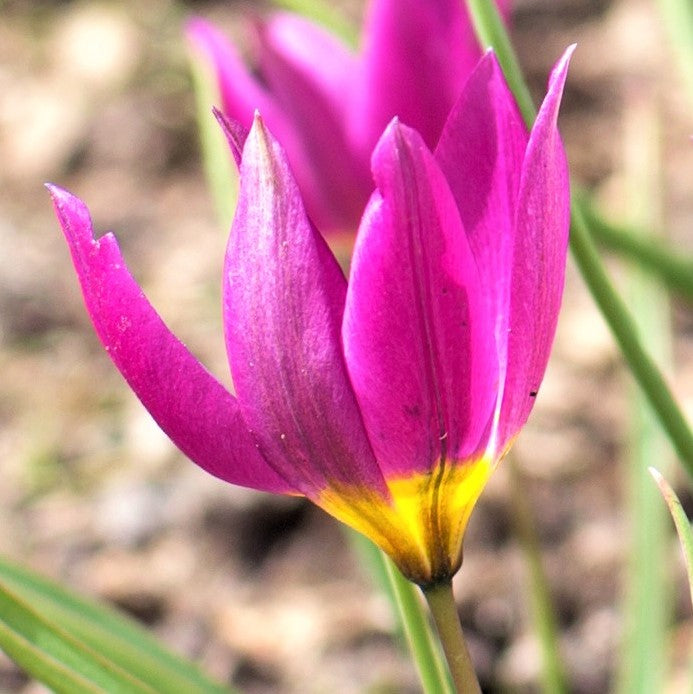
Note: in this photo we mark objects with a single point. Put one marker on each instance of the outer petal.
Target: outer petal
(283, 304)
(311, 75)
(417, 338)
(542, 224)
(481, 150)
(417, 56)
(199, 415)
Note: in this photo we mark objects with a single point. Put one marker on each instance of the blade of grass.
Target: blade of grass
(97, 629)
(51, 655)
(634, 243)
(411, 615)
(647, 600)
(543, 614)
(491, 32)
(683, 525)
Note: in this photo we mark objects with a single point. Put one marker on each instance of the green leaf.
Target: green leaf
(673, 267)
(74, 645)
(683, 525)
(647, 603)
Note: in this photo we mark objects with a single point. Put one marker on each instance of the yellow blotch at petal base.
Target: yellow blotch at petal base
(422, 524)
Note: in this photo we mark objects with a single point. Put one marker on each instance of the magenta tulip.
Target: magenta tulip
(388, 401)
(328, 106)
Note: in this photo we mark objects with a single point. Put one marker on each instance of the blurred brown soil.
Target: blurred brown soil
(264, 592)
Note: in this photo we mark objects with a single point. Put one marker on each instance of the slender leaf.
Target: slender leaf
(672, 267)
(647, 600)
(36, 612)
(53, 656)
(683, 525)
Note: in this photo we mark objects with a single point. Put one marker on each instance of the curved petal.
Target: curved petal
(307, 49)
(416, 57)
(198, 414)
(541, 242)
(417, 338)
(311, 76)
(481, 150)
(283, 304)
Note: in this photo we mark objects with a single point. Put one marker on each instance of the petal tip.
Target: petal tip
(235, 134)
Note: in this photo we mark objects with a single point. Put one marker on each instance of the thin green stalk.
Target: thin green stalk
(410, 613)
(683, 525)
(491, 32)
(632, 242)
(441, 602)
(647, 600)
(423, 645)
(543, 613)
(624, 330)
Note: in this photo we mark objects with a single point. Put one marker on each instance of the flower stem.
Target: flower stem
(442, 604)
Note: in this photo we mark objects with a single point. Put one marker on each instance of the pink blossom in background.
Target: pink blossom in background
(328, 105)
(388, 401)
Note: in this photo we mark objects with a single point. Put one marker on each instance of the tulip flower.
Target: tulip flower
(388, 401)
(328, 106)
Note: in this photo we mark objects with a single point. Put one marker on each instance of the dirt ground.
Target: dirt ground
(265, 592)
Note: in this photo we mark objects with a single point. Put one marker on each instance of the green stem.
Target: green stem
(624, 330)
(646, 591)
(432, 670)
(491, 32)
(652, 254)
(441, 601)
(410, 613)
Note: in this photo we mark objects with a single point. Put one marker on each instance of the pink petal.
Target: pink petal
(417, 338)
(283, 305)
(307, 49)
(199, 415)
(539, 259)
(481, 150)
(234, 132)
(417, 56)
